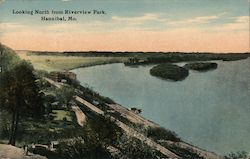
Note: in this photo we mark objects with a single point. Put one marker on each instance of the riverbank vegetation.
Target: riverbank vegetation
(152, 56)
(169, 71)
(159, 133)
(201, 66)
(59, 63)
(52, 61)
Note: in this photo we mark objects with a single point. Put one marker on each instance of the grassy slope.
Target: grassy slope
(52, 63)
(61, 115)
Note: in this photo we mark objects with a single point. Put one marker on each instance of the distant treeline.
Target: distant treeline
(153, 57)
(94, 54)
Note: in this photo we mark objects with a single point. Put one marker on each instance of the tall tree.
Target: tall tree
(19, 95)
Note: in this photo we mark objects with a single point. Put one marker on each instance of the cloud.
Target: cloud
(93, 26)
(242, 19)
(194, 21)
(240, 23)
(11, 26)
(55, 28)
(123, 34)
(59, 27)
(139, 19)
(145, 22)
(187, 39)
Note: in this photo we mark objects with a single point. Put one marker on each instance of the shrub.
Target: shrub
(201, 66)
(135, 149)
(162, 134)
(237, 155)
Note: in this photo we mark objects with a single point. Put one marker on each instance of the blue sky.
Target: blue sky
(168, 9)
(166, 16)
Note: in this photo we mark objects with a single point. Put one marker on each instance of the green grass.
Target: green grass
(52, 128)
(45, 130)
(59, 63)
(61, 115)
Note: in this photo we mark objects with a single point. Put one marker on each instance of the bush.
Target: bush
(237, 155)
(106, 130)
(135, 149)
(182, 152)
(5, 125)
(87, 146)
(64, 95)
(41, 73)
(162, 134)
(201, 66)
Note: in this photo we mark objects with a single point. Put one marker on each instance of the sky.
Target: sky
(127, 25)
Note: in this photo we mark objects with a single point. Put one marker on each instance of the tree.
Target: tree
(8, 58)
(64, 95)
(158, 133)
(86, 145)
(237, 155)
(106, 129)
(135, 149)
(19, 95)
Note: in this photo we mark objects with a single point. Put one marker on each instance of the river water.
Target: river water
(209, 109)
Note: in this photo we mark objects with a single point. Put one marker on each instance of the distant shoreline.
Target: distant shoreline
(107, 51)
(66, 61)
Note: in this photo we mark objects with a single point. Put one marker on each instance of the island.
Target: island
(201, 66)
(169, 71)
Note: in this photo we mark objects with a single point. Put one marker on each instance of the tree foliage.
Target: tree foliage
(135, 149)
(159, 133)
(8, 58)
(169, 71)
(64, 95)
(237, 155)
(19, 95)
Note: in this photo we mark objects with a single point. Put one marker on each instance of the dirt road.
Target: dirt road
(80, 116)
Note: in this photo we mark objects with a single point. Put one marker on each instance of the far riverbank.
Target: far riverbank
(65, 61)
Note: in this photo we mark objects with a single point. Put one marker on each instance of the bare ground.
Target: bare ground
(11, 152)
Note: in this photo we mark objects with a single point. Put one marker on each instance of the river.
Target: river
(209, 109)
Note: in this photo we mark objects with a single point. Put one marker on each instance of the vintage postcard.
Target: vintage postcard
(123, 79)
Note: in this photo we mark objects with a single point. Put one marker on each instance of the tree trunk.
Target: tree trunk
(11, 138)
(14, 127)
(15, 131)
(15, 120)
